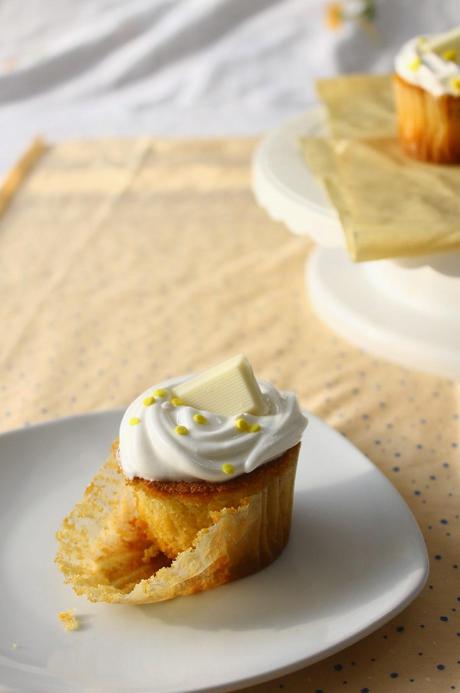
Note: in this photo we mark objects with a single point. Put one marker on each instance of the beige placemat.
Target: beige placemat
(125, 262)
(389, 204)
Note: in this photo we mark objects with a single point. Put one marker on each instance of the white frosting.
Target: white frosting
(153, 450)
(434, 74)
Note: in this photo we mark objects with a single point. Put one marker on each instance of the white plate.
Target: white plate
(355, 559)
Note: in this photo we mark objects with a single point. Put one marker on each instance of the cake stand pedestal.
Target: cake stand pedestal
(406, 310)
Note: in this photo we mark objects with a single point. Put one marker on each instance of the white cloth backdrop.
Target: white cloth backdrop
(181, 67)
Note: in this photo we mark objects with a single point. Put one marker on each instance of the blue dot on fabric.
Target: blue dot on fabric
(438, 557)
(444, 618)
(338, 667)
(394, 675)
(396, 469)
(364, 690)
(440, 667)
(444, 521)
(399, 629)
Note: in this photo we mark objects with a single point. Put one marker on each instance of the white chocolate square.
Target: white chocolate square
(230, 388)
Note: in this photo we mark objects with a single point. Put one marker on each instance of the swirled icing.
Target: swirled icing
(151, 448)
(424, 68)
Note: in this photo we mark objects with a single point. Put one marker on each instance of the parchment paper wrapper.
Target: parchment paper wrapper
(389, 205)
(106, 556)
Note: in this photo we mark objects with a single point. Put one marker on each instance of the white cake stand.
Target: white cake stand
(406, 310)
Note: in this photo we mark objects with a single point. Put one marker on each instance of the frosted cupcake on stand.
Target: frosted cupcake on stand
(427, 95)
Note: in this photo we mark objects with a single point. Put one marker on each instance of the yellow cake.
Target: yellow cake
(427, 98)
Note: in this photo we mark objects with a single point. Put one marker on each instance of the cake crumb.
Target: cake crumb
(69, 619)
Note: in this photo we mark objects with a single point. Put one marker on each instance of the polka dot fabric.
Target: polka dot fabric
(126, 262)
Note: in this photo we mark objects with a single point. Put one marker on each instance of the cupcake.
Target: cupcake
(197, 490)
(427, 96)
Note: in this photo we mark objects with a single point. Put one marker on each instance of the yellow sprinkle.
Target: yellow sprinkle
(200, 419)
(161, 393)
(455, 84)
(148, 401)
(414, 64)
(177, 401)
(182, 430)
(134, 421)
(68, 619)
(254, 427)
(242, 425)
(449, 55)
(228, 468)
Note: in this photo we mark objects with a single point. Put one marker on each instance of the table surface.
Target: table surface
(124, 262)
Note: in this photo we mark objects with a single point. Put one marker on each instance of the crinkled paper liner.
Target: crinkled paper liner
(105, 555)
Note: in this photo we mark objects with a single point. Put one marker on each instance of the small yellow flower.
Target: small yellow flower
(177, 402)
(242, 425)
(161, 393)
(148, 401)
(455, 84)
(414, 64)
(334, 15)
(363, 12)
(200, 419)
(449, 55)
(134, 421)
(228, 468)
(181, 430)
